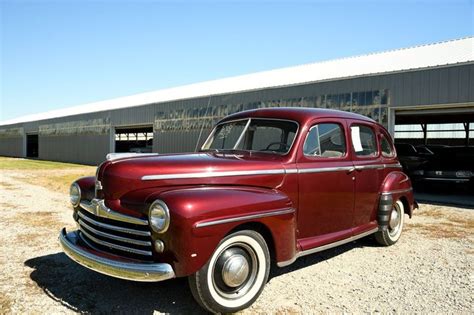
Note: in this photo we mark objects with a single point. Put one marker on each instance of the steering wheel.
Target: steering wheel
(281, 145)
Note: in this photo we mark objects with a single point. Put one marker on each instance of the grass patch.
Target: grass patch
(441, 231)
(7, 163)
(7, 186)
(7, 205)
(58, 181)
(54, 176)
(444, 223)
(42, 220)
(5, 304)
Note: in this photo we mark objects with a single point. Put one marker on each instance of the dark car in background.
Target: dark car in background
(448, 165)
(438, 165)
(410, 158)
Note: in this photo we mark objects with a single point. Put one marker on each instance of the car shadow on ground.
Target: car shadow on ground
(322, 256)
(86, 291)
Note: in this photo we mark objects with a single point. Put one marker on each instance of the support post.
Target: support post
(466, 129)
(424, 127)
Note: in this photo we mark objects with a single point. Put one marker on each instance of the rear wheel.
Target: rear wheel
(235, 275)
(392, 234)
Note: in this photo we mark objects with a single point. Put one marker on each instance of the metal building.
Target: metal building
(423, 84)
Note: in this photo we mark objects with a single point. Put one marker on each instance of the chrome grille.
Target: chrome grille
(115, 237)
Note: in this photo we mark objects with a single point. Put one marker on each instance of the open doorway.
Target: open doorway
(136, 140)
(436, 149)
(32, 146)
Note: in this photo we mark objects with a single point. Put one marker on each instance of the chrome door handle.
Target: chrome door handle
(350, 170)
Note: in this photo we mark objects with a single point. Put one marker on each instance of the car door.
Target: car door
(326, 185)
(368, 176)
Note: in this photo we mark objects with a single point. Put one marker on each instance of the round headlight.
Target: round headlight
(75, 194)
(159, 216)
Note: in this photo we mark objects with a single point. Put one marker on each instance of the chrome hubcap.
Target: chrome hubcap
(394, 218)
(235, 270)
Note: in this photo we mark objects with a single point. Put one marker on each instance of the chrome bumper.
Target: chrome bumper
(146, 272)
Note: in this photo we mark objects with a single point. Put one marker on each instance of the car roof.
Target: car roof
(298, 114)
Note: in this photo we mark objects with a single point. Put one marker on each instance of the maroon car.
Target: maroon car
(268, 185)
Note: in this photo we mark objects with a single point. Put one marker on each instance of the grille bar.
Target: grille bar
(115, 246)
(113, 227)
(114, 237)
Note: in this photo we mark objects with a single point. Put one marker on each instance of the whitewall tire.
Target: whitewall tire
(393, 232)
(235, 275)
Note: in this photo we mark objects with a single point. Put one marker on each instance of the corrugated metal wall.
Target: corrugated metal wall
(177, 124)
(11, 146)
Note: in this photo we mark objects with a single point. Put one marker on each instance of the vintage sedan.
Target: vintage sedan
(268, 186)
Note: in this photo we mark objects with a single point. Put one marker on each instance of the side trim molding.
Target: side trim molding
(267, 172)
(214, 174)
(398, 191)
(325, 169)
(246, 217)
(327, 246)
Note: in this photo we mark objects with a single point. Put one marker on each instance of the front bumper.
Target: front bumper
(145, 272)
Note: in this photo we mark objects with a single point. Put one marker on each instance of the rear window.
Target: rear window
(386, 147)
(363, 141)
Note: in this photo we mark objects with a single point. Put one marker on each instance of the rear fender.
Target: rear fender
(202, 217)
(396, 186)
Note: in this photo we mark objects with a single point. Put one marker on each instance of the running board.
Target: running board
(327, 246)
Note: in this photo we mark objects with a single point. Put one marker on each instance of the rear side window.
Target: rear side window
(325, 140)
(363, 141)
(386, 147)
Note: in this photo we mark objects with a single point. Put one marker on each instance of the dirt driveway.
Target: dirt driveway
(429, 270)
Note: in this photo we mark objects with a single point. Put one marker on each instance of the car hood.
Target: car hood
(122, 176)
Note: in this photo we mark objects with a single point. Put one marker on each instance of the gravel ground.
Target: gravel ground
(428, 270)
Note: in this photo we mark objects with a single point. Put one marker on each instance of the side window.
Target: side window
(363, 141)
(325, 140)
(386, 147)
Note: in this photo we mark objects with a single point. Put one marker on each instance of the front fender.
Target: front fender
(87, 185)
(202, 217)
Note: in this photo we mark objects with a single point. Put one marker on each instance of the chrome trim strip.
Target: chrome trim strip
(327, 246)
(325, 169)
(114, 227)
(378, 166)
(113, 237)
(397, 191)
(267, 172)
(369, 167)
(115, 246)
(97, 207)
(146, 272)
(245, 217)
(396, 165)
(116, 156)
(214, 174)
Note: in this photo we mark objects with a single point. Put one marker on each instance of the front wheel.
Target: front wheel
(391, 235)
(235, 275)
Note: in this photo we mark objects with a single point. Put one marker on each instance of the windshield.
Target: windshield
(256, 135)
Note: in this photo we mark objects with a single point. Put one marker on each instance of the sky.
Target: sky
(58, 54)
